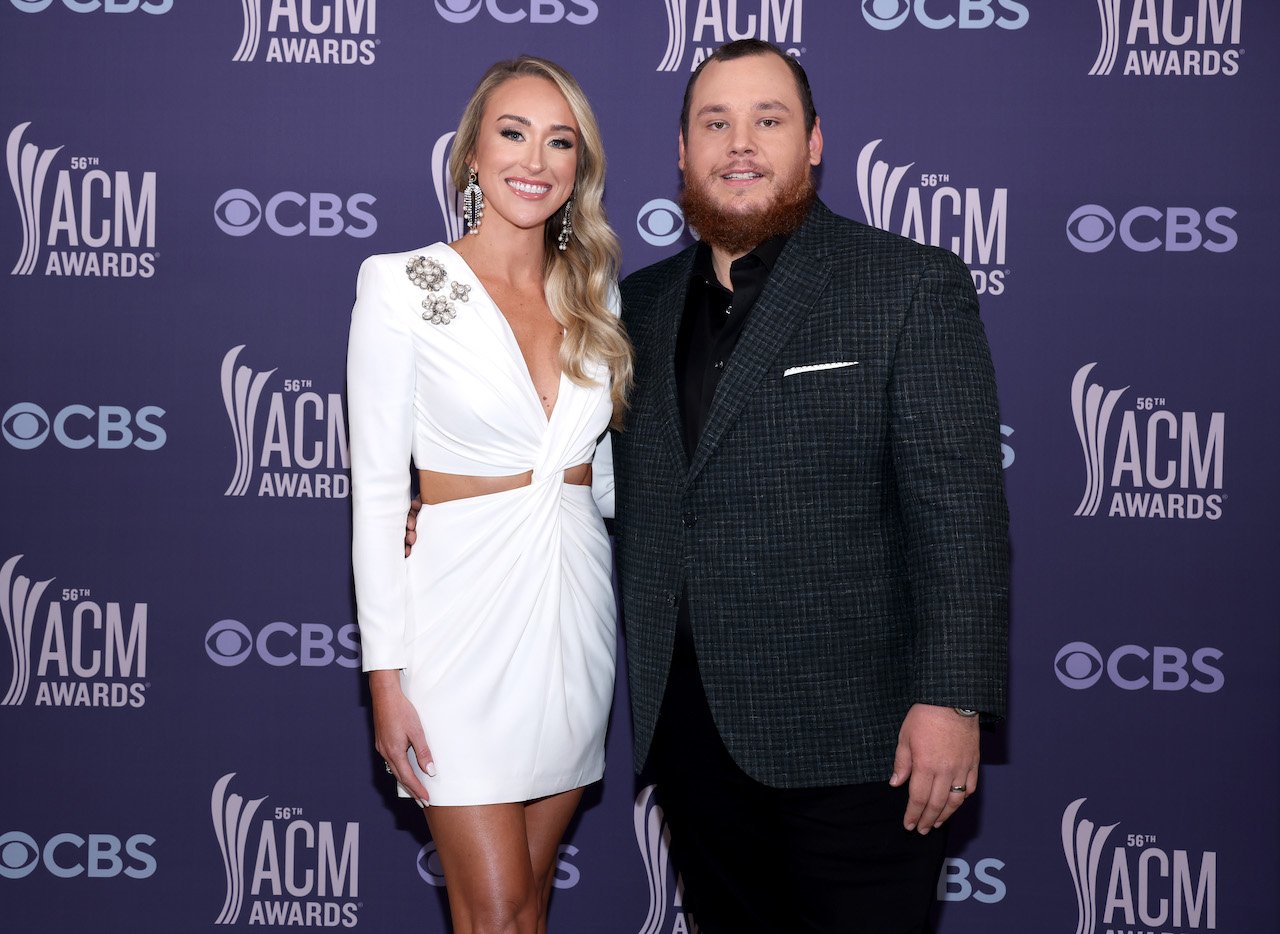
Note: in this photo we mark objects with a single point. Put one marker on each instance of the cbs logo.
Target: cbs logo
(960, 881)
(312, 645)
(1144, 229)
(969, 14)
(582, 12)
(660, 222)
(1079, 665)
(67, 855)
(26, 425)
(92, 6)
(238, 213)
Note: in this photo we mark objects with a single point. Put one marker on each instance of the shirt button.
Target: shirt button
(719, 365)
(690, 520)
(672, 599)
(729, 310)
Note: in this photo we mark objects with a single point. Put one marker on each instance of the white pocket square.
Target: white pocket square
(812, 367)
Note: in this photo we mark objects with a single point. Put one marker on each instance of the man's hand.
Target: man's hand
(411, 525)
(396, 728)
(937, 751)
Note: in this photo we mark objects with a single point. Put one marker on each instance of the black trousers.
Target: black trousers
(753, 858)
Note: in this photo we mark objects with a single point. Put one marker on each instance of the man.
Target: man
(812, 533)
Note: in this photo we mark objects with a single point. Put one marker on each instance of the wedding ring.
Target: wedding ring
(387, 766)
(958, 789)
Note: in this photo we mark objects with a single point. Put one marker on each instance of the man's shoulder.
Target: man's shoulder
(658, 275)
(843, 237)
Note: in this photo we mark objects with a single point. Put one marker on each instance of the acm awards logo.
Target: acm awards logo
(970, 222)
(1148, 886)
(1162, 464)
(577, 12)
(293, 870)
(448, 198)
(301, 448)
(87, 653)
(964, 14)
(310, 32)
(719, 21)
(100, 223)
(1173, 37)
(665, 895)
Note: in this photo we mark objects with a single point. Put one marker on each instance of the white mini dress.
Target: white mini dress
(502, 621)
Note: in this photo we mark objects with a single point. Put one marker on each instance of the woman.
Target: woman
(495, 363)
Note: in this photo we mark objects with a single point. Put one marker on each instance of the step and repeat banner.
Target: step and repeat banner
(185, 731)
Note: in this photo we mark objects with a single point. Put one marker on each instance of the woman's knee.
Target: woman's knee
(510, 913)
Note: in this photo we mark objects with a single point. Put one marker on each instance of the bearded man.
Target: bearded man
(812, 531)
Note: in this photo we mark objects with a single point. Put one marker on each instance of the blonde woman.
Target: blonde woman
(495, 364)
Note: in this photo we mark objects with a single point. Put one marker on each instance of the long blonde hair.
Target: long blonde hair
(577, 281)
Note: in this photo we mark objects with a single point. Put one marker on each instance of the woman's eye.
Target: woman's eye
(561, 144)
(514, 135)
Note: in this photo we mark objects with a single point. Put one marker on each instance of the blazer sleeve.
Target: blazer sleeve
(945, 438)
(380, 392)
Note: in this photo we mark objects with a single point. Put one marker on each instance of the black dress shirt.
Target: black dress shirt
(712, 323)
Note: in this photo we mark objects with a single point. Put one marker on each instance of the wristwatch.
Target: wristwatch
(965, 711)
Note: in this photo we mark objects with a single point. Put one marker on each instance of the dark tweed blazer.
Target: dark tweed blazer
(840, 533)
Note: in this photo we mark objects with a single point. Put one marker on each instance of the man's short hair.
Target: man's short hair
(742, 48)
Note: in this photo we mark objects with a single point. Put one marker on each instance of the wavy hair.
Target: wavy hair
(577, 281)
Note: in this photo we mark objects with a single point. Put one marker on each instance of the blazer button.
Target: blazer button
(672, 599)
(690, 520)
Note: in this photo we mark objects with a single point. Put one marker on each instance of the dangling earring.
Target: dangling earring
(473, 203)
(567, 230)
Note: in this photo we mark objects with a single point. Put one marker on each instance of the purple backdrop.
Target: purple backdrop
(185, 732)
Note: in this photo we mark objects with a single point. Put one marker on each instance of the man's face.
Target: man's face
(747, 147)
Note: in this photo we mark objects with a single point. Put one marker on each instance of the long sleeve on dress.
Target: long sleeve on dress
(380, 394)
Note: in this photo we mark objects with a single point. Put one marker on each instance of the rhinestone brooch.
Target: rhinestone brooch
(426, 273)
(429, 274)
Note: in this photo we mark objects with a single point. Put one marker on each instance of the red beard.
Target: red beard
(738, 234)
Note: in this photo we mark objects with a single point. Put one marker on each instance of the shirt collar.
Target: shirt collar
(766, 254)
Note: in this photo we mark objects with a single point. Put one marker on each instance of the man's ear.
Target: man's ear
(815, 142)
(680, 149)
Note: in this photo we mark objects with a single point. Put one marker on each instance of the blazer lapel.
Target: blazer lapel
(794, 286)
(668, 310)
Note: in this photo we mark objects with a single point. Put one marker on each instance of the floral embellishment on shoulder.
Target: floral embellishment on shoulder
(430, 275)
(426, 273)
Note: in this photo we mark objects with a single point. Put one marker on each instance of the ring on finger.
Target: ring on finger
(959, 790)
(387, 766)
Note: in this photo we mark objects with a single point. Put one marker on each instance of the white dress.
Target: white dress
(503, 619)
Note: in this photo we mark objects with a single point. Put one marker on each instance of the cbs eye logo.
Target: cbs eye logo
(1091, 228)
(1079, 665)
(886, 14)
(660, 222)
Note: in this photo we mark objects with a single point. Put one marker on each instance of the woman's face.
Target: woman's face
(526, 153)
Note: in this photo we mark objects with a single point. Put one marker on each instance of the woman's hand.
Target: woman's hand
(396, 727)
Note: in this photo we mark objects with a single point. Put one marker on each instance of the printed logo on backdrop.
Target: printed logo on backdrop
(1173, 37)
(289, 868)
(231, 643)
(310, 32)
(26, 426)
(660, 222)
(1148, 886)
(1168, 668)
(448, 197)
(77, 648)
(1091, 228)
(577, 12)
(971, 222)
(665, 895)
(238, 212)
(71, 855)
(945, 14)
(1161, 463)
(94, 6)
(99, 222)
(977, 880)
(299, 449)
(715, 22)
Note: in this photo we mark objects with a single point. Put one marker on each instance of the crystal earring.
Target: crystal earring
(567, 230)
(472, 203)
